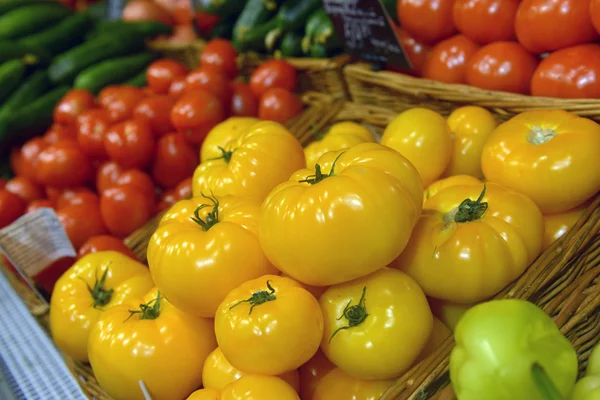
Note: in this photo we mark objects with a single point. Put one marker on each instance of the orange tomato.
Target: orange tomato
(427, 20)
(486, 21)
(447, 61)
(415, 50)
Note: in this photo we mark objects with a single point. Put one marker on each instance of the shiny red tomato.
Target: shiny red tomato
(210, 80)
(427, 20)
(279, 105)
(415, 51)
(2, 183)
(53, 193)
(196, 113)
(174, 160)
(107, 175)
(120, 101)
(595, 14)
(105, 243)
(91, 129)
(447, 61)
(26, 164)
(25, 188)
(81, 222)
(72, 105)
(37, 204)
(183, 190)
(108, 95)
(243, 101)
(220, 55)
(156, 111)
(177, 87)
(486, 21)
(506, 66)
(130, 144)
(125, 209)
(16, 163)
(573, 73)
(140, 180)
(11, 207)
(273, 74)
(546, 25)
(75, 196)
(58, 132)
(63, 164)
(167, 199)
(162, 73)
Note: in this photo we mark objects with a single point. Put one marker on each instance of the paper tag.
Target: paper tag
(35, 241)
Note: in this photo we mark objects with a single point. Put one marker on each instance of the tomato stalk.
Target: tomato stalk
(469, 210)
(538, 135)
(100, 295)
(225, 155)
(319, 176)
(258, 298)
(355, 314)
(544, 383)
(149, 310)
(212, 218)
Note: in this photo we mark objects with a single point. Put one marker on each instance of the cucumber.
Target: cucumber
(146, 28)
(65, 67)
(27, 20)
(291, 45)
(138, 81)
(320, 30)
(97, 11)
(291, 16)
(318, 50)
(256, 12)
(32, 88)
(112, 71)
(9, 5)
(223, 8)
(223, 29)
(10, 50)
(11, 73)
(62, 36)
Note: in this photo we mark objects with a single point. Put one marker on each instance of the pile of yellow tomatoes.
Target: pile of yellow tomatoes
(312, 272)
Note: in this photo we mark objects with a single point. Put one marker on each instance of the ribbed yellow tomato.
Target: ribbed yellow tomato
(456, 180)
(205, 247)
(551, 156)
(556, 225)
(423, 137)
(265, 155)
(218, 137)
(471, 241)
(311, 374)
(259, 387)
(218, 372)
(340, 136)
(351, 216)
(470, 127)
(92, 285)
(149, 340)
(341, 386)
(269, 325)
(205, 394)
(366, 318)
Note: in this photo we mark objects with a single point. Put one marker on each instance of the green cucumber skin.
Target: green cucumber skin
(225, 9)
(97, 11)
(10, 49)
(11, 73)
(27, 20)
(291, 45)
(294, 13)
(62, 36)
(145, 28)
(9, 5)
(112, 71)
(256, 12)
(32, 88)
(138, 81)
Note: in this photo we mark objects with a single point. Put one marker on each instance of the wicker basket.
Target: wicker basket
(399, 92)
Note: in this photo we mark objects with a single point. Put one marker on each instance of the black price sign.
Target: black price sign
(365, 28)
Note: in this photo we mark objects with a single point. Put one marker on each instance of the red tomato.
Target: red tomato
(105, 243)
(205, 22)
(2, 183)
(140, 180)
(17, 164)
(130, 144)
(107, 175)
(57, 132)
(503, 66)
(37, 204)
(28, 162)
(415, 51)
(81, 222)
(177, 87)
(196, 113)
(273, 74)
(573, 73)
(279, 105)
(162, 73)
(53, 194)
(546, 25)
(210, 80)
(11, 207)
(447, 61)
(595, 14)
(427, 20)
(108, 95)
(125, 209)
(156, 111)
(173, 161)
(91, 129)
(486, 21)
(25, 188)
(221, 55)
(75, 196)
(167, 199)
(183, 190)
(63, 164)
(72, 105)
(120, 102)
(243, 101)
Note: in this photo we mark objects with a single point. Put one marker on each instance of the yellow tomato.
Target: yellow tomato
(340, 386)
(252, 165)
(316, 291)
(93, 284)
(366, 318)
(470, 127)
(149, 340)
(346, 219)
(556, 225)
(340, 136)
(205, 247)
(423, 137)
(223, 133)
(551, 156)
(447, 182)
(218, 372)
(259, 387)
(471, 241)
(205, 394)
(448, 312)
(311, 374)
(269, 325)
(439, 334)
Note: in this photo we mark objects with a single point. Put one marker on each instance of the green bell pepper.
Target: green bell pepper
(511, 350)
(588, 387)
